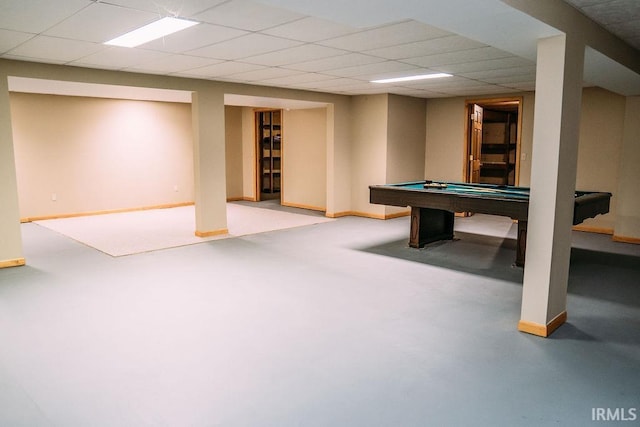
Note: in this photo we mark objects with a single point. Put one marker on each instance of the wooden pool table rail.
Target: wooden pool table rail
(432, 210)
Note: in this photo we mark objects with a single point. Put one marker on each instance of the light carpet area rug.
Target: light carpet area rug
(134, 232)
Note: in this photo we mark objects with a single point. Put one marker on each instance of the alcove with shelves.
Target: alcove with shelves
(499, 147)
(269, 136)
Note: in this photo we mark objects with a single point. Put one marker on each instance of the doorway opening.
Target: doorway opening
(269, 154)
(493, 141)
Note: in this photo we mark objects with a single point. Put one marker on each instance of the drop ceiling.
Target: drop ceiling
(330, 46)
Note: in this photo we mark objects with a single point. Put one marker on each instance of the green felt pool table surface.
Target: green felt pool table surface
(433, 204)
(473, 189)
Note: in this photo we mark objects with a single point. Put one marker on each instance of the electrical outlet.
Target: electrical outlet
(175, 188)
(54, 197)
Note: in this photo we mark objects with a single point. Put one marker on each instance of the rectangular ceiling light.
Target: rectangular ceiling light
(411, 78)
(155, 30)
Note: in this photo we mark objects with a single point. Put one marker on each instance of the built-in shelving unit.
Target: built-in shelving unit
(499, 147)
(270, 149)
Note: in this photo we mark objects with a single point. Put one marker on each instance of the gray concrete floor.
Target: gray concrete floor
(336, 324)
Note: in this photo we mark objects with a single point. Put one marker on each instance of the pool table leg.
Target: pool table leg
(522, 242)
(430, 225)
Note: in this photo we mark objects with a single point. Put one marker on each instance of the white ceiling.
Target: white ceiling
(334, 46)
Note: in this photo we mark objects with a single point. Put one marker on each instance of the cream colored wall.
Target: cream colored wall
(100, 154)
(526, 139)
(234, 152)
(339, 158)
(627, 226)
(445, 139)
(601, 134)
(369, 150)
(208, 139)
(406, 135)
(304, 158)
(355, 142)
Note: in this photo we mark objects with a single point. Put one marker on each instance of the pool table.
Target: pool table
(433, 205)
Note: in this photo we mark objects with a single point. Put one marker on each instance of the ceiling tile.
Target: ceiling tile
(418, 93)
(20, 15)
(194, 37)
(28, 59)
(295, 55)
(442, 84)
(11, 39)
(179, 8)
(264, 74)
(426, 47)
(100, 23)
(52, 48)
(458, 57)
(500, 72)
(484, 90)
(491, 64)
(299, 79)
(322, 85)
(245, 46)
(523, 86)
(119, 58)
(374, 71)
(339, 82)
(173, 64)
(385, 36)
(335, 62)
(310, 29)
(221, 69)
(510, 79)
(247, 15)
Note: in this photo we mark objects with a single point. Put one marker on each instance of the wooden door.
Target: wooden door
(475, 143)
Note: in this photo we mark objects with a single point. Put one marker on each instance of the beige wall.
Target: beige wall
(526, 140)
(356, 147)
(601, 133)
(406, 139)
(406, 134)
(233, 152)
(82, 150)
(304, 158)
(627, 225)
(339, 158)
(369, 150)
(445, 139)
(100, 154)
(207, 127)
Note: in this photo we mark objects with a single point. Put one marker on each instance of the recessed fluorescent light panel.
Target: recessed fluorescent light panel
(155, 30)
(411, 78)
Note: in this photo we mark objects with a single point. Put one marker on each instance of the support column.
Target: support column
(11, 254)
(209, 163)
(338, 160)
(559, 72)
